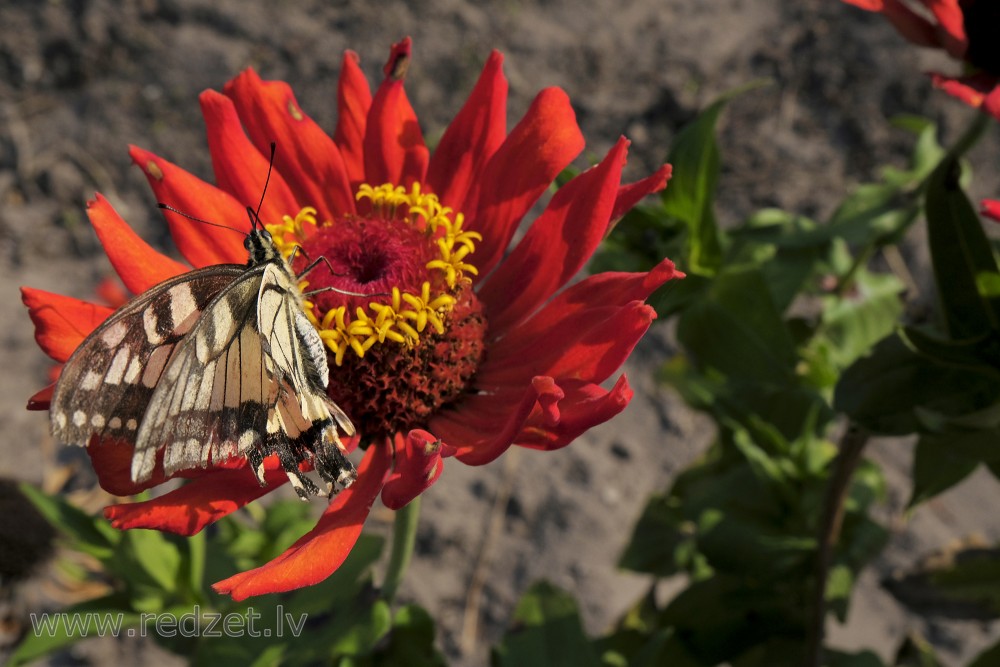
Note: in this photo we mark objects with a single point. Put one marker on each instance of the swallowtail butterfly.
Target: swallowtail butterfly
(213, 364)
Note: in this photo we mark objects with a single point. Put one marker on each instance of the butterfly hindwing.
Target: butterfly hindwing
(105, 386)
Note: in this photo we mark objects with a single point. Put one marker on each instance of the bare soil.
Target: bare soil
(81, 79)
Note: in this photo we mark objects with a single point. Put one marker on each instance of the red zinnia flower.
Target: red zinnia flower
(461, 351)
(966, 29)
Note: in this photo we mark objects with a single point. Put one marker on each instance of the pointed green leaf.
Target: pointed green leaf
(546, 632)
(92, 535)
(960, 252)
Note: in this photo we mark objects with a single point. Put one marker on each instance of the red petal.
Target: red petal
(991, 208)
(591, 352)
(482, 427)
(394, 146)
(910, 25)
(200, 502)
(539, 147)
(305, 155)
(202, 245)
(558, 244)
(354, 99)
(318, 553)
(981, 90)
(471, 139)
(418, 465)
(951, 23)
(576, 307)
(240, 169)
(584, 406)
(631, 194)
(41, 399)
(112, 461)
(139, 266)
(61, 322)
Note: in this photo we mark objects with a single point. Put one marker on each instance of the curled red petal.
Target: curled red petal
(584, 406)
(481, 427)
(537, 149)
(305, 155)
(61, 322)
(354, 99)
(318, 553)
(631, 194)
(394, 145)
(471, 139)
(592, 352)
(240, 169)
(556, 246)
(41, 399)
(950, 24)
(202, 245)
(418, 465)
(135, 261)
(112, 461)
(200, 502)
(991, 209)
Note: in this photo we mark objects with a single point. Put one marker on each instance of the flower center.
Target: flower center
(392, 301)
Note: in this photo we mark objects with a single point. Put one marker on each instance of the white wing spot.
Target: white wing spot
(182, 307)
(115, 423)
(91, 381)
(149, 323)
(131, 424)
(247, 439)
(79, 418)
(114, 334)
(61, 419)
(117, 369)
(132, 373)
(97, 421)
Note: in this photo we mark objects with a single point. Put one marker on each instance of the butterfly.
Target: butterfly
(210, 365)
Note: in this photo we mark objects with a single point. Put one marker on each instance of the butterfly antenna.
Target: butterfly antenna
(167, 207)
(270, 166)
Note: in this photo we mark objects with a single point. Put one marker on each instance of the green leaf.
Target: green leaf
(657, 535)
(91, 535)
(546, 631)
(960, 252)
(691, 194)
(915, 651)
(411, 641)
(937, 467)
(988, 658)
(102, 617)
(158, 558)
(863, 659)
(957, 583)
(884, 390)
(722, 617)
(736, 330)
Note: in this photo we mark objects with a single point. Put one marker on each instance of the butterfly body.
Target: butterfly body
(217, 363)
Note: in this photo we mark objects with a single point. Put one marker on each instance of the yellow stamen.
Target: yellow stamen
(406, 316)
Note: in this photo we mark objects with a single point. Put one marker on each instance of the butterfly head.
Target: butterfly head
(260, 246)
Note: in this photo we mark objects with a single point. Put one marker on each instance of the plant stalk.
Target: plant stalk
(852, 444)
(404, 539)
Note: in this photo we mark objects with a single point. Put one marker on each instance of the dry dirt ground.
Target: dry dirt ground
(81, 79)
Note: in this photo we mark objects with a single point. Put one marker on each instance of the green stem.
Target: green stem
(980, 122)
(404, 538)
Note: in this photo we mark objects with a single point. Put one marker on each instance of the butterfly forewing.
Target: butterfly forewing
(105, 386)
(216, 363)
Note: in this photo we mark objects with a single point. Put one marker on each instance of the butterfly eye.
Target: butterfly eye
(266, 235)
(246, 242)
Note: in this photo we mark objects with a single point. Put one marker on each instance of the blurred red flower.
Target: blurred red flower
(462, 351)
(965, 29)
